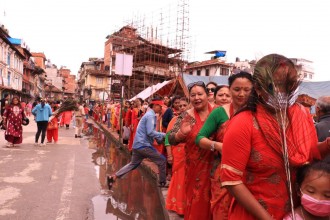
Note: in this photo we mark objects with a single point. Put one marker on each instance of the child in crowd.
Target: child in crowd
(313, 181)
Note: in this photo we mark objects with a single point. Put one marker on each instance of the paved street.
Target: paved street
(51, 182)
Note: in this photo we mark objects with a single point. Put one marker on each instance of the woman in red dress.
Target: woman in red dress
(198, 161)
(176, 197)
(240, 87)
(136, 115)
(264, 144)
(52, 128)
(13, 116)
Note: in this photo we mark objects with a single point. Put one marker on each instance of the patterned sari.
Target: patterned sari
(198, 168)
(252, 155)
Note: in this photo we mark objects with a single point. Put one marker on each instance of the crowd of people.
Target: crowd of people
(246, 150)
(15, 113)
(243, 151)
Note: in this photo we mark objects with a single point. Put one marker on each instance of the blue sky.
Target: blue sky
(71, 31)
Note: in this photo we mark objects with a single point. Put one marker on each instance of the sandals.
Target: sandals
(110, 181)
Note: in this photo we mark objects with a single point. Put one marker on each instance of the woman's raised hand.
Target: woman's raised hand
(186, 125)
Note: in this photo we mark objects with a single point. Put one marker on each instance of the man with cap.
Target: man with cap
(143, 145)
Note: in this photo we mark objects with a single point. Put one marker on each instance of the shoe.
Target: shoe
(42, 144)
(110, 181)
(75, 136)
(163, 184)
(36, 144)
(8, 144)
(79, 136)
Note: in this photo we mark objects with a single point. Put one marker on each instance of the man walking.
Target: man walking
(79, 114)
(143, 145)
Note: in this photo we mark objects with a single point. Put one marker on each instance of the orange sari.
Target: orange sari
(175, 199)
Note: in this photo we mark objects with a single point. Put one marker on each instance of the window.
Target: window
(8, 59)
(310, 76)
(198, 72)
(305, 75)
(8, 78)
(99, 80)
(224, 71)
(207, 72)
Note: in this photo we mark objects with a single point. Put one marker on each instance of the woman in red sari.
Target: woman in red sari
(211, 134)
(258, 141)
(176, 196)
(198, 161)
(136, 115)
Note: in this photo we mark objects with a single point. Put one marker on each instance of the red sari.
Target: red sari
(198, 168)
(176, 197)
(135, 118)
(252, 155)
(221, 198)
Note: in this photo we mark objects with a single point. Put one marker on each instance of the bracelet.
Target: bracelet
(212, 146)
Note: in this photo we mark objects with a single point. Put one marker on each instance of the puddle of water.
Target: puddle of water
(135, 196)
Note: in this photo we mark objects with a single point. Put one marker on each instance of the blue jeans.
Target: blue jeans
(145, 152)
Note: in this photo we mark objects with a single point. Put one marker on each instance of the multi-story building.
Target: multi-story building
(54, 84)
(213, 67)
(28, 69)
(69, 82)
(304, 67)
(93, 80)
(11, 65)
(40, 76)
(152, 62)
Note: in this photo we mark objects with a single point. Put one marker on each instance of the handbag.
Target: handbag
(52, 125)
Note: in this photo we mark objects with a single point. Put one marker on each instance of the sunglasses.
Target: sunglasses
(210, 89)
(198, 83)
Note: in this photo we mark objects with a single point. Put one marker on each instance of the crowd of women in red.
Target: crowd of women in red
(243, 145)
(234, 150)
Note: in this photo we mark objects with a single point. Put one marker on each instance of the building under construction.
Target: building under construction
(153, 60)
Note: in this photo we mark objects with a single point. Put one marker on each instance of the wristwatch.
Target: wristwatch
(212, 146)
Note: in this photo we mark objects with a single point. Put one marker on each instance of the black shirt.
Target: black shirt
(323, 128)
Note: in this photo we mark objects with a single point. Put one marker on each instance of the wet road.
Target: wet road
(68, 180)
(133, 197)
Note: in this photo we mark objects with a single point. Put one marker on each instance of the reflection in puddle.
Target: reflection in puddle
(135, 196)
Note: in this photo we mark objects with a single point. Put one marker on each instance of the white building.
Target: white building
(11, 64)
(304, 68)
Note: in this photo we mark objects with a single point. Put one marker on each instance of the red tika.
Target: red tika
(252, 155)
